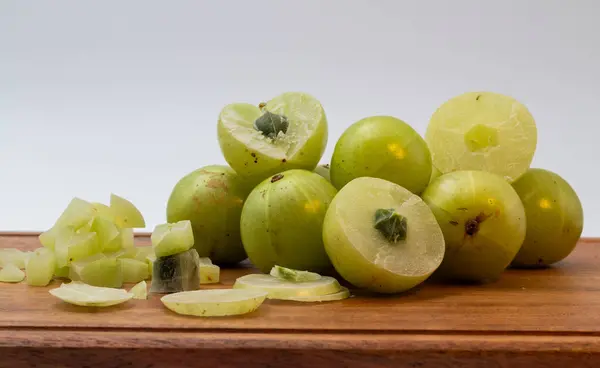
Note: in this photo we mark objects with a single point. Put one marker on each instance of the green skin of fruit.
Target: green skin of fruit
(554, 218)
(212, 199)
(323, 170)
(483, 221)
(346, 234)
(255, 165)
(282, 222)
(382, 147)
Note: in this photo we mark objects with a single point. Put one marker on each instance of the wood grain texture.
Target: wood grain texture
(531, 318)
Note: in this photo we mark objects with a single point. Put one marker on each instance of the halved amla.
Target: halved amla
(287, 132)
(382, 237)
(209, 272)
(289, 274)
(40, 267)
(483, 221)
(281, 289)
(82, 294)
(175, 273)
(170, 239)
(215, 302)
(11, 273)
(482, 131)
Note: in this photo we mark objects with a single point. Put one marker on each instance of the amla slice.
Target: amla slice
(278, 288)
(215, 302)
(382, 237)
(11, 273)
(79, 293)
(344, 293)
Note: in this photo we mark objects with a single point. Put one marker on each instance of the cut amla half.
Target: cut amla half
(281, 289)
(288, 132)
(380, 236)
(81, 294)
(215, 302)
(209, 272)
(482, 131)
(170, 239)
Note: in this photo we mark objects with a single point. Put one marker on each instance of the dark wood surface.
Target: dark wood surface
(529, 318)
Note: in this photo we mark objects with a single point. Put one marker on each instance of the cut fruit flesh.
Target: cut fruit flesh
(140, 290)
(134, 270)
(98, 270)
(277, 288)
(13, 256)
(171, 239)
(252, 154)
(11, 273)
(344, 293)
(175, 273)
(482, 131)
(215, 302)
(126, 213)
(40, 267)
(81, 294)
(74, 247)
(288, 274)
(209, 272)
(360, 251)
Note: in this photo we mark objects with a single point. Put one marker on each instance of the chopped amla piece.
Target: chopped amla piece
(175, 273)
(40, 267)
(82, 294)
(150, 258)
(289, 274)
(140, 290)
(215, 302)
(13, 256)
(74, 247)
(134, 270)
(126, 213)
(209, 272)
(98, 270)
(278, 288)
(169, 239)
(11, 273)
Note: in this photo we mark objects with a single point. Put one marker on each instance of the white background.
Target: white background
(123, 96)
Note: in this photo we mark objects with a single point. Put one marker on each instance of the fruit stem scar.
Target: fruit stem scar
(271, 124)
(391, 225)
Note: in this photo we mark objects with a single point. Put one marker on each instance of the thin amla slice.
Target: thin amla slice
(214, 302)
(380, 236)
(288, 132)
(289, 274)
(170, 239)
(127, 215)
(82, 294)
(278, 288)
(344, 293)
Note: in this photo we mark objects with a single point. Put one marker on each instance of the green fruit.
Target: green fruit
(554, 218)
(482, 131)
(382, 237)
(282, 221)
(483, 221)
(211, 198)
(382, 147)
(323, 170)
(288, 132)
(179, 272)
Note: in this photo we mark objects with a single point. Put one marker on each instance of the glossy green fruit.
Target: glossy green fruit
(211, 198)
(554, 218)
(387, 254)
(282, 221)
(288, 132)
(483, 221)
(382, 147)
